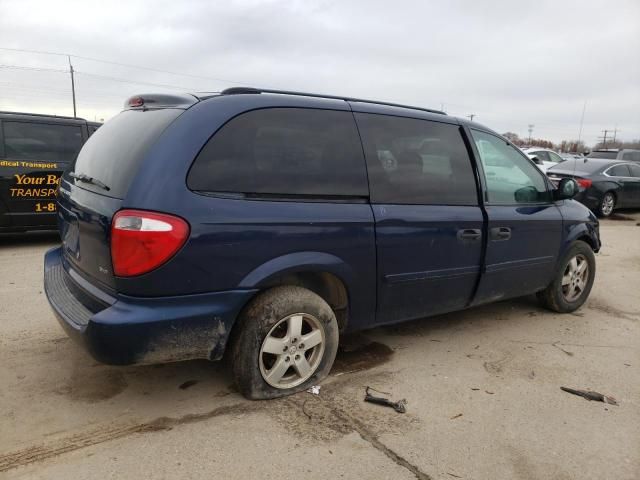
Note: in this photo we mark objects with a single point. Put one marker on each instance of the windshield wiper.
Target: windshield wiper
(87, 179)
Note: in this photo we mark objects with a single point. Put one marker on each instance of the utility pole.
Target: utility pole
(604, 138)
(530, 132)
(73, 86)
(470, 117)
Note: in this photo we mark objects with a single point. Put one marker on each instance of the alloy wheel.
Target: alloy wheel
(575, 278)
(292, 351)
(608, 202)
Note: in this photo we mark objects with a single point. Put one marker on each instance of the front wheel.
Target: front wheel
(286, 342)
(573, 280)
(607, 204)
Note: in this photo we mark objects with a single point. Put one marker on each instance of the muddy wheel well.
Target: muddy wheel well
(589, 241)
(324, 284)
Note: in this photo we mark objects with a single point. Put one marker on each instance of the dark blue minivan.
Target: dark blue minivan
(267, 223)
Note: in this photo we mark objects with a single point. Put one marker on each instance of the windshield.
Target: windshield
(112, 155)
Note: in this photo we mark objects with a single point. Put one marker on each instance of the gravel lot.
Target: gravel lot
(483, 392)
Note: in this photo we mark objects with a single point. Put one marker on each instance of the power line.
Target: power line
(58, 70)
(33, 51)
(125, 65)
(39, 69)
(123, 80)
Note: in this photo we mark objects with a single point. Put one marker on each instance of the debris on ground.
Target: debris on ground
(589, 395)
(315, 390)
(567, 352)
(455, 416)
(488, 392)
(187, 384)
(399, 406)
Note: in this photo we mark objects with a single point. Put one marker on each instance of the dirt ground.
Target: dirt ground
(482, 386)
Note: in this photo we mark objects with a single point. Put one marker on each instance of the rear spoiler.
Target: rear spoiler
(148, 101)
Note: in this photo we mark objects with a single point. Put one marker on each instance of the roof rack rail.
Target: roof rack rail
(243, 90)
(43, 115)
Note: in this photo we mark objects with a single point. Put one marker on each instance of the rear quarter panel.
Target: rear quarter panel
(237, 243)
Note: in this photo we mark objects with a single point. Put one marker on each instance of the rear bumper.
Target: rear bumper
(123, 330)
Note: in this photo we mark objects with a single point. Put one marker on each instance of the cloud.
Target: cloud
(510, 63)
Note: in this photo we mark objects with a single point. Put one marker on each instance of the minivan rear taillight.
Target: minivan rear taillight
(142, 241)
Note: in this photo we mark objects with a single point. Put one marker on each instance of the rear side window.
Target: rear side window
(413, 161)
(633, 156)
(542, 155)
(609, 155)
(635, 170)
(41, 141)
(113, 153)
(283, 151)
(619, 171)
(555, 158)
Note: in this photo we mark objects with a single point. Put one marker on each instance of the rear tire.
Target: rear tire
(287, 340)
(573, 280)
(607, 205)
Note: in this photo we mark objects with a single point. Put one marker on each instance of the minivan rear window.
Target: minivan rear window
(113, 153)
(284, 152)
(41, 141)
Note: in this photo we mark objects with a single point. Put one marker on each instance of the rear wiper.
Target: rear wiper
(87, 179)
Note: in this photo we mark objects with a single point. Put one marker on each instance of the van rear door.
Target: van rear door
(34, 154)
(429, 224)
(94, 188)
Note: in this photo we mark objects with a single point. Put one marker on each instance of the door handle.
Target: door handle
(500, 233)
(469, 234)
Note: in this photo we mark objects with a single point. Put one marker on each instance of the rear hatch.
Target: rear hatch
(93, 190)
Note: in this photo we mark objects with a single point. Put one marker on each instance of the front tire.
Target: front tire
(573, 280)
(286, 342)
(607, 205)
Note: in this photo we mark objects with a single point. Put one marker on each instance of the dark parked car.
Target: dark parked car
(617, 154)
(604, 184)
(34, 150)
(266, 224)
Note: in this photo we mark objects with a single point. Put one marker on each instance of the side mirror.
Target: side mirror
(537, 161)
(528, 194)
(567, 188)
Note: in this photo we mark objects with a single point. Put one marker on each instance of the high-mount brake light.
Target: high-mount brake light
(142, 241)
(136, 102)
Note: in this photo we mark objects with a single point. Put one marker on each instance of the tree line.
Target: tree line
(569, 146)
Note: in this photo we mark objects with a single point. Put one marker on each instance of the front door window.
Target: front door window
(511, 178)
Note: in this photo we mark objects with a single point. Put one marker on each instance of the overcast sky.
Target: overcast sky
(511, 63)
